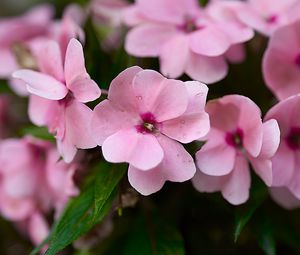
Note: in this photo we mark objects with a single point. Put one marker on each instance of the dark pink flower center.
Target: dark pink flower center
(272, 19)
(189, 25)
(67, 99)
(148, 123)
(297, 60)
(235, 139)
(293, 138)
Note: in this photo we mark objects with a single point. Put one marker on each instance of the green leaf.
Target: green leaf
(88, 209)
(244, 213)
(38, 132)
(154, 236)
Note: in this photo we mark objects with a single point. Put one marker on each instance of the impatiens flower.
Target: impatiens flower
(286, 166)
(34, 185)
(186, 38)
(266, 16)
(18, 31)
(142, 122)
(108, 17)
(281, 63)
(237, 136)
(58, 93)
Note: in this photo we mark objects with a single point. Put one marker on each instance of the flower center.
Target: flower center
(67, 99)
(297, 60)
(235, 139)
(293, 138)
(148, 124)
(272, 19)
(189, 25)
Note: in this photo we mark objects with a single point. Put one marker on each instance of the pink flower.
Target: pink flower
(281, 63)
(34, 185)
(185, 37)
(107, 14)
(21, 30)
(268, 15)
(58, 93)
(142, 122)
(237, 136)
(284, 197)
(286, 160)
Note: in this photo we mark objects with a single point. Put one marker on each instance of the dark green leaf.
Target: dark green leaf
(153, 236)
(88, 209)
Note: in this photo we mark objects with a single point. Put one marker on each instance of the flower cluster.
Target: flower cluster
(148, 119)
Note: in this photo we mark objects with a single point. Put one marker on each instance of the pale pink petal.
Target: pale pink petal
(66, 149)
(236, 53)
(19, 87)
(147, 40)
(140, 150)
(121, 91)
(284, 198)
(164, 98)
(168, 11)
(283, 165)
(8, 63)
(38, 228)
(177, 166)
(263, 168)
(271, 139)
(39, 109)
(77, 79)
(216, 161)
(236, 189)
(78, 129)
(194, 123)
(41, 84)
(206, 69)
(208, 183)
(294, 185)
(174, 56)
(50, 59)
(210, 41)
(107, 120)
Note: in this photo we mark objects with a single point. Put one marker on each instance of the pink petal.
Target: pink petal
(209, 41)
(66, 149)
(271, 139)
(236, 189)
(19, 87)
(147, 40)
(39, 109)
(78, 129)
(208, 183)
(194, 123)
(8, 63)
(284, 198)
(236, 53)
(174, 56)
(294, 185)
(177, 166)
(121, 91)
(42, 85)
(216, 160)
(168, 11)
(283, 165)
(107, 120)
(168, 99)
(50, 59)
(140, 150)
(38, 228)
(206, 69)
(263, 168)
(77, 79)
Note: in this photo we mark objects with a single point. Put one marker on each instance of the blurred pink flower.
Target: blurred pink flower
(107, 15)
(286, 160)
(58, 93)
(281, 63)
(21, 30)
(142, 122)
(186, 38)
(266, 16)
(284, 197)
(35, 184)
(237, 135)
